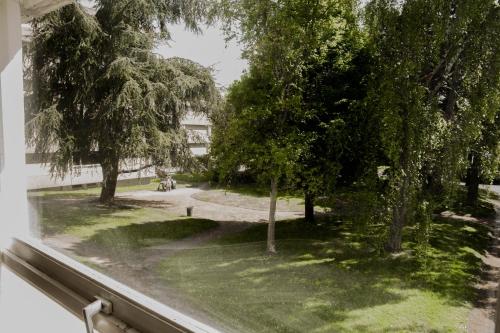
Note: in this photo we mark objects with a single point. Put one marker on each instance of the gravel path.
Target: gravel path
(482, 316)
(181, 198)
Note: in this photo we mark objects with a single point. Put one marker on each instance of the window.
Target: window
(66, 281)
(253, 166)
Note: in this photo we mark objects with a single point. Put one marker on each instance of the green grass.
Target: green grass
(191, 178)
(259, 190)
(325, 278)
(483, 209)
(137, 235)
(328, 278)
(127, 223)
(81, 216)
(91, 191)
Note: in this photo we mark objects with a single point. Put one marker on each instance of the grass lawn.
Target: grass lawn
(325, 278)
(191, 178)
(484, 209)
(329, 279)
(128, 224)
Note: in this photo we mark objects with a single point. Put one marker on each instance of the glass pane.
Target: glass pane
(293, 178)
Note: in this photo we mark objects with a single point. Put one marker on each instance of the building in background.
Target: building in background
(199, 131)
(198, 128)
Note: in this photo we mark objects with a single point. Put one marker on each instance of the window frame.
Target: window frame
(68, 282)
(74, 286)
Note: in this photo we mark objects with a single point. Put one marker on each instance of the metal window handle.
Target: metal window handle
(100, 305)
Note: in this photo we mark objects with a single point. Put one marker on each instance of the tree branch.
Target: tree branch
(135, 170)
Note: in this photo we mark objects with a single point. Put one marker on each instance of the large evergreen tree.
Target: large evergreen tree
(101, 94)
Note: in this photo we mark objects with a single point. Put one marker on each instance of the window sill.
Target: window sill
(74, 286)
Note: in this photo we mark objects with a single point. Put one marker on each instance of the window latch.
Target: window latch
(100, 305)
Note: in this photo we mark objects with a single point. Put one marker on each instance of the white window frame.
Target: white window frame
(74, 286)
(71, 284)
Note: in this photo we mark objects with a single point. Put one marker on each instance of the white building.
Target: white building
(39, 175)
(199, 131)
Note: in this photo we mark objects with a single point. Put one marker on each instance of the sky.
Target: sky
(208, 49)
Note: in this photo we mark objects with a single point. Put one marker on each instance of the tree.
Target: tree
(342, 143)
(101, 94)
(253, 135)
(484, 159)
(283, 40)
(430, 57)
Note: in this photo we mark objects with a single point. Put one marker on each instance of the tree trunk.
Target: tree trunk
(473, 179)
(400, 208)
(309, 207)
(396, 232)
(271, 241)
(109, 180)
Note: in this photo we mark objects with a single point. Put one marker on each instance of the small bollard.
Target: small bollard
(189, 211)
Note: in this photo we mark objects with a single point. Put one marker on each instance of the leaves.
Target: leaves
(100, 91)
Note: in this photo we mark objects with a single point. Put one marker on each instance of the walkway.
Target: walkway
(482, 316)
(181, 198)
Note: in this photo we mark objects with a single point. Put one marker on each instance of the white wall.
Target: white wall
(199, 133)
(24, 309)
(39, 176)
(13, 203)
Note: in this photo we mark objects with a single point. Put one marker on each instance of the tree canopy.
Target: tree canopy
(101, 94)
(334, 92)
(275, 121)
(435, 74)
(411, 87)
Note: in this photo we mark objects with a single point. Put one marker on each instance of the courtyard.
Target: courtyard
(325, 277)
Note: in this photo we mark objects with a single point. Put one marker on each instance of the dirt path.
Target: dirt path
(181, 198)
(482, 316)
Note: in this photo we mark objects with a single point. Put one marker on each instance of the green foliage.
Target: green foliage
(435, 79)
(287, 111)
(487, 149)
(191, 178)
(255, 135)
(481, 210)
(100, 93)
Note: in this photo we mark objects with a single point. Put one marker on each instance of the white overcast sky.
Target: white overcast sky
(207, 49)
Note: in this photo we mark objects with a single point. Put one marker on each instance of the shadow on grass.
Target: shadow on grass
(327, 278)
(297, 290)
(482, 210)
(118, 242)
(56, 214)
(449, 265)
